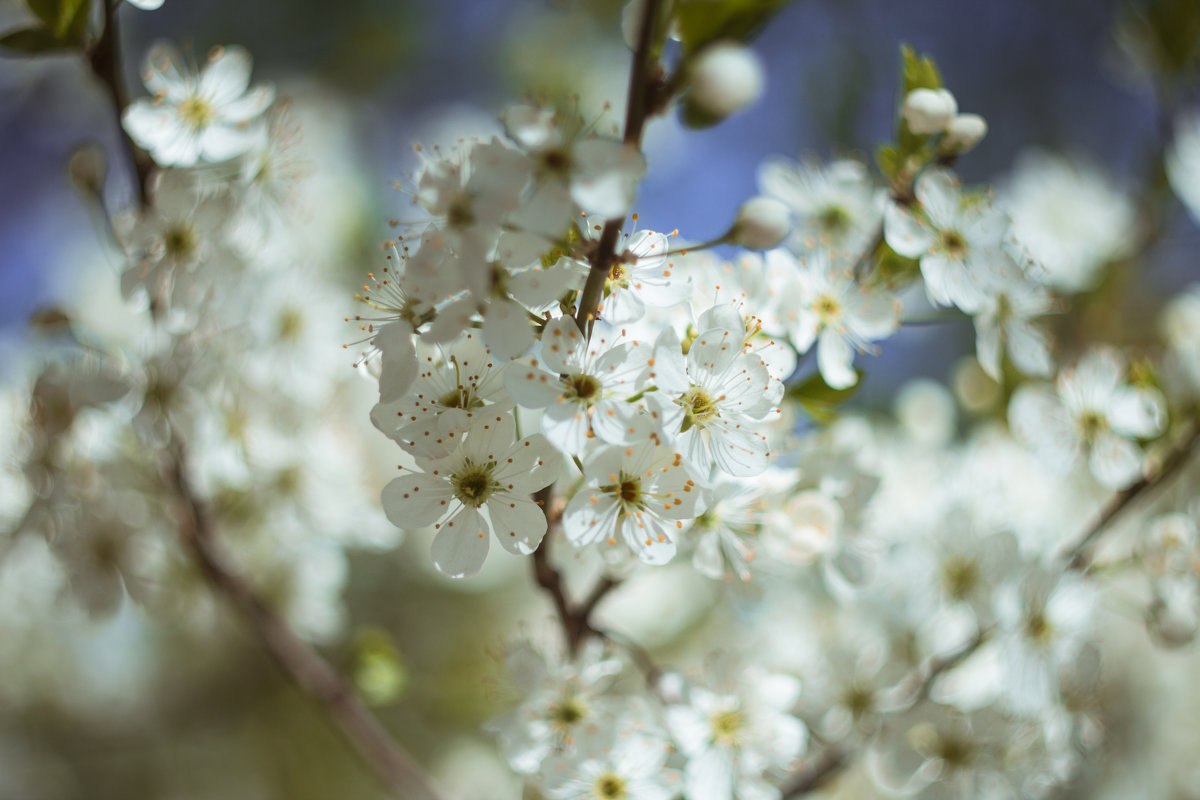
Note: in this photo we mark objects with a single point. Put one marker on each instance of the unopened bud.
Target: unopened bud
(726, 77)
(88, 167)
(762, 223)
(964, 132)
(928, 110)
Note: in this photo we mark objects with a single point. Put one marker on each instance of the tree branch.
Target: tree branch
(636, 111)
(298, 661)
(1078, 556)
(104, 58)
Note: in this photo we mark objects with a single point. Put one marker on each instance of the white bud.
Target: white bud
(964, 132)
(928, 110)
(762, 223)
(726, 77)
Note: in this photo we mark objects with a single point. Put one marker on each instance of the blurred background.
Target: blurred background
(376, 76)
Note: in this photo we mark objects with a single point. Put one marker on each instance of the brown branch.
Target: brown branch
(104, 58)
(835, 758)
(641, 98)
(1078, 556)
(815, 775)
(298, 661)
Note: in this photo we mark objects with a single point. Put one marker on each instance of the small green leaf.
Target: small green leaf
(45, 10)
(73, 20)
(704, 21)
(893, 268)
(820, 400)
(888, 159)
(379, 671)
(36, 39)
(919, 71)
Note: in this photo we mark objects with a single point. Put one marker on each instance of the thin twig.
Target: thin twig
(636, 111)
(1078, 556)
(817, 773)
(300, 662)
(104, 58)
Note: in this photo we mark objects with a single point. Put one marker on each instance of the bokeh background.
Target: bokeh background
(1045, 73)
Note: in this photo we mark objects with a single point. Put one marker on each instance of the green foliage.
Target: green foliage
(919, 71)
(899, 160)
(1167, 34)
(379, 671)
(703, 21)
(820, 400)
(63, 27)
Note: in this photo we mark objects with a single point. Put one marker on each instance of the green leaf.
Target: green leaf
(919, 71)
(888, 159)
(45, 10)
(894, 268)
(379, 671)
(704, 21)
(820, 400)
(73, 20)
(36, 39)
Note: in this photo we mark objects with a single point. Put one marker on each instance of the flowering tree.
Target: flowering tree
(913, 604)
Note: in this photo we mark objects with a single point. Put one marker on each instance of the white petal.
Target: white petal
(461, 544)
(397, 360)
(227, 75)
(834, 357)
(904, 233)
(1115, 462)
(563, 346)
(531, 387)
(566, 426)
(506, 329)
(518, 522)
(416, 500)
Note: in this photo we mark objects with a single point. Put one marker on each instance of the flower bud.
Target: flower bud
(762, 223)
(964, 132)
(928, 110)
(88, 167)
(726, 77)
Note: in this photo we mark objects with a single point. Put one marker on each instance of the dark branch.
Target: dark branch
(1078, 555)
(640, 100)
(298, 661)
(104, 58)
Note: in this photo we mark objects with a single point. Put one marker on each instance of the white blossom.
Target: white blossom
(207, 115)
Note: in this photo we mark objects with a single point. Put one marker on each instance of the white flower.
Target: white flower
(711, 402)
(176, 242)
(1004, 321)
(562, 708)
(1091, 410)
(1070, 217)
(484, 484)
(725, 533)
(632, 767)
(824, 304)
(643, 274)
(146, 5)
(600, 175)
(639, 494)
(452, 385)
(193, 116)
(1042, 621)
(731, 734)
(955, 241)
(586, 390)
(836, 206)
